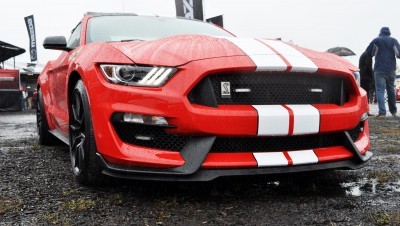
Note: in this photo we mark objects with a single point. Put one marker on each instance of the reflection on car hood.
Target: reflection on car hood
(179, 50)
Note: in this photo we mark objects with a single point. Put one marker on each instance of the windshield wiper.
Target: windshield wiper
(131, 40)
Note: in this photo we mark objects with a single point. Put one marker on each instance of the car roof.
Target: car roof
(109, 14)
(99, 14)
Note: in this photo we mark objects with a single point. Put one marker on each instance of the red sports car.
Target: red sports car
(176, 99)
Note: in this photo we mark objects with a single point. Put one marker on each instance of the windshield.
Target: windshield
(125, 28)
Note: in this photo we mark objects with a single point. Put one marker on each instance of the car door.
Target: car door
(58, 82)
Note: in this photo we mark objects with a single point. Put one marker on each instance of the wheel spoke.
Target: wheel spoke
(75, 128)
(78, 153)
(81, 154)
(77, 109)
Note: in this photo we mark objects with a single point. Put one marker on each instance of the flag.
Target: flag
(30, 25)
(192, 9)
(218, 20)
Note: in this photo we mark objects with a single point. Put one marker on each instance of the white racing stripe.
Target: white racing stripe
(272, 120)
(298, 61)
(270, 159)
(306, 119)
(303, 157)
(263, 57)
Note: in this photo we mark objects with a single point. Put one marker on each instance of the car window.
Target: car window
(117, 28)
(75, 37)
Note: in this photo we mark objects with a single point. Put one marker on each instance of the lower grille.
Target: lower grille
(283, 143)
(162, 140)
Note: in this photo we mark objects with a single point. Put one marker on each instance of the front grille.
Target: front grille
(268, 88)
(127, 132)
(165, 141)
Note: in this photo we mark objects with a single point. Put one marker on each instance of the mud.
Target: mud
(37, 188)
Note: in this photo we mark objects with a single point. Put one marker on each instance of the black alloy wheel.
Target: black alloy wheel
(81, 139)
(45, 138)
(77, 133)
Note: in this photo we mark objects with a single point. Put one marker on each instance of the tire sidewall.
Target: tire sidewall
(91, 170)
(43, 127)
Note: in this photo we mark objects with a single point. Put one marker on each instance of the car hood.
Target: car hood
(179, 50)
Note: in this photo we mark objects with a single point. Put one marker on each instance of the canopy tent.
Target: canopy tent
(10, 97)
(8, 51)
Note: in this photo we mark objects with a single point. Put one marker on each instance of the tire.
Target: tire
(82, 143)
(45, 137)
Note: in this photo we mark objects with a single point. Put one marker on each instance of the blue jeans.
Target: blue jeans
(385, 80)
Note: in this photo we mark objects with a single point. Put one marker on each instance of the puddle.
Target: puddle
(273, 184)
(369, 187)
(18, 125)
(373, 137)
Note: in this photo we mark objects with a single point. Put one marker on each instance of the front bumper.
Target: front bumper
(204, 124)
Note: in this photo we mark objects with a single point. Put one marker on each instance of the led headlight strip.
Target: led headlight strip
(137, 75)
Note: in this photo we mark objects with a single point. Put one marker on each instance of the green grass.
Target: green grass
(382, 176)
(384, 218)
(9, 205)
(56, 219)
(79, 205)
(36, 147)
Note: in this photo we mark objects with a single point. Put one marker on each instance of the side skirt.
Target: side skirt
(61, 136)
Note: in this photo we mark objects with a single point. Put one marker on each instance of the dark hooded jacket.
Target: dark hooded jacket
(385, 49)
(365, 65)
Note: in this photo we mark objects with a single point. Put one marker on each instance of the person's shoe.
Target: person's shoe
(394, 115)
(380, 116)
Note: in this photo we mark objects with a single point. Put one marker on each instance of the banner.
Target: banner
(9, 80)
(30, 25)
(218, 20)
(192, 9)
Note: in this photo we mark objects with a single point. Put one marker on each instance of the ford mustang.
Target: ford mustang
(158, 98)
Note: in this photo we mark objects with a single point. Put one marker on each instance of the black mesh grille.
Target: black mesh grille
(276, 88)
(355, 133)
(282, 143)
(127, 132)
(165, 141)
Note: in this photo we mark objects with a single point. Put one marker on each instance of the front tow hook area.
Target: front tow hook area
(194, 153)
(349, 144)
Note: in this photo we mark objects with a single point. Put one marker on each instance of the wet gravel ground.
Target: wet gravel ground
(37, 188)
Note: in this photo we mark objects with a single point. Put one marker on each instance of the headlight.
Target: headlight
(357, 77)
(137, 75)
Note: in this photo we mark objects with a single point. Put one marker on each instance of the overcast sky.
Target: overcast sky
(314, 24)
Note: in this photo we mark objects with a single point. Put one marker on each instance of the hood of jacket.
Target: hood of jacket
(385, 31)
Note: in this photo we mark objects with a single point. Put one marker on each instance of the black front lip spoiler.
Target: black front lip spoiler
(195, 152)
(211, 174)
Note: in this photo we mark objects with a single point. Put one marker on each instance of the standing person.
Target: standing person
(385, 49)
(366, 74)
(34, 98)
(30, 96)
(24, 96)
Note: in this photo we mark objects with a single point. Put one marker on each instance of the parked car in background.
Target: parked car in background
(158, 98)
(397, 85)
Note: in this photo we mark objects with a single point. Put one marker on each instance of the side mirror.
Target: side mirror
(56, 42)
